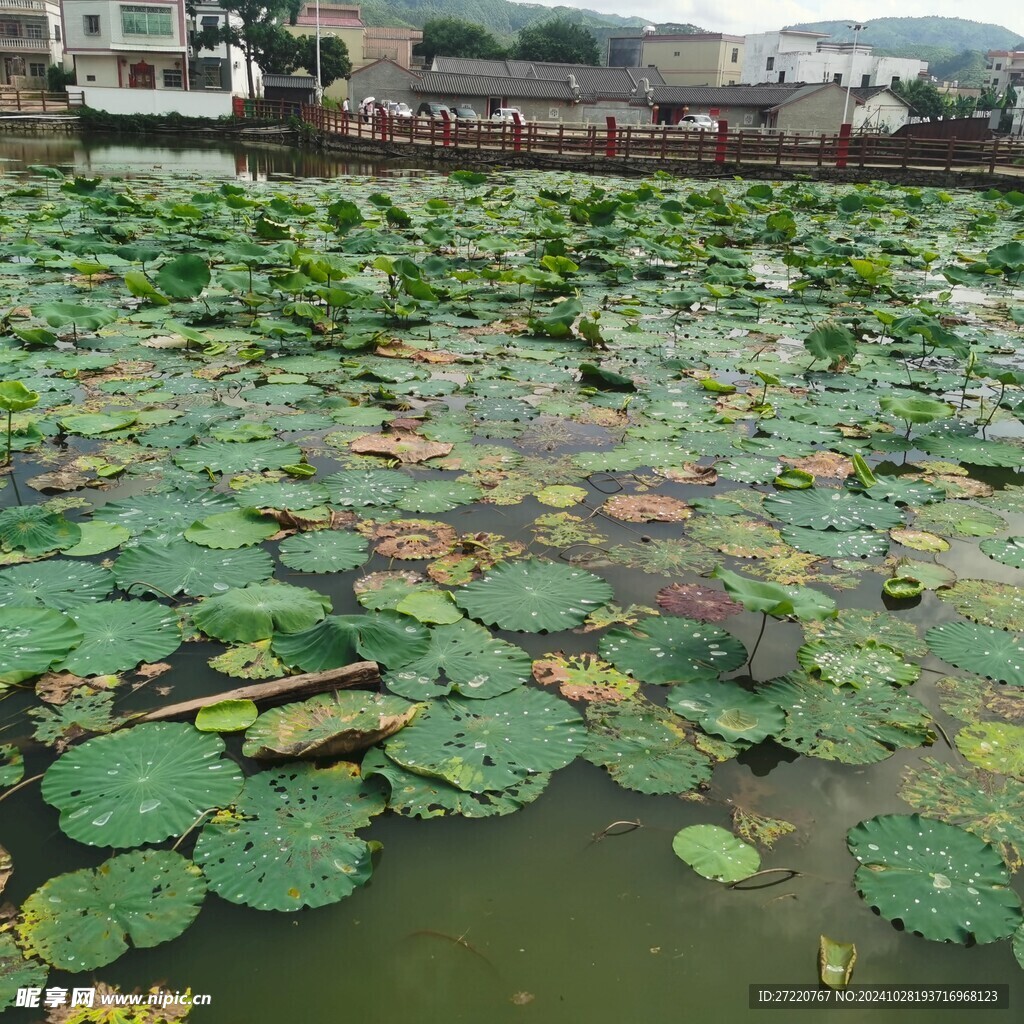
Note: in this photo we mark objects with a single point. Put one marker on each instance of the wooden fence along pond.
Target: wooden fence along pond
(667, 143)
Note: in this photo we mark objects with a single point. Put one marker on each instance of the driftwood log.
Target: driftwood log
(361, 674)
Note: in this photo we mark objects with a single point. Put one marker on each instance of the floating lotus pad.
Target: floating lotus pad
(822, 509)
(989, 652)
(56, 583)
(239, 528)
(34, 530)
(324, 551)
(1009, 551)
(387, 637)
(727, 710)
(584, 677)
(715, 853)
(856, 666)
(226, 716)
(489, 745)
(936, 879)
(355, 488)
(1000, 605)
(854, 627)
(32, 640)
(473, 662)
(294, 844)
(533, 596)
(670, 650)
(181, 567)
(420, 796)
(995, 746)
(163, 516)
(644, 747)
(230, 457)
(327, 725)
(118, 635)
(86, 919)
(17, 972)
(259, 610)
(140, 785)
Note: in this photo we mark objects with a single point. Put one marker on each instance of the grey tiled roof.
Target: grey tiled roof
(758, 97)
(289, 81)
(443, 83)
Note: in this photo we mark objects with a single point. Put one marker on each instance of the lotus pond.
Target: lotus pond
(684, 521)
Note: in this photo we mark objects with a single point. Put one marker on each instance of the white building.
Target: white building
(30, 41)
(1005, 69)
(796, 56)
(223, 67)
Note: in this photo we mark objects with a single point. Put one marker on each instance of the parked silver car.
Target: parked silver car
(698, 122)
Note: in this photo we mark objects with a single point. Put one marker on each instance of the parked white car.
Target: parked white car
(507, 114)
(698, 122)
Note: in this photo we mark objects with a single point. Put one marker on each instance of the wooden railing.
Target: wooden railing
(735, 148)
(24, 101)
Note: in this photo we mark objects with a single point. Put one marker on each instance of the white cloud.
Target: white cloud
(742, 18)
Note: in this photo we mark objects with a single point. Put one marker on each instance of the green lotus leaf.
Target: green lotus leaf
(836, 544)
(1018, 945)
(34, 530)
(292, 843)
(431, 496)
(86, 919)
(226, 716)
(95, 538)
(974, 451)
(669, 650)
(230, 457)
(1009, 551)
(859, 666)
(239, 528)
(258, 611)
(17, 972)
(357, 488)
(854, 627)
(327, 725)
(726, 710)
(249, 661)
(33, 640)
(431, 606)
(387, 637)
(715, 853)
(380, 590)
(163, 516)
(87, 711)
(995, 746)
(533, 596)
(285, 495)
(12, 765)
(835, 961)
(958, 518)
(833, 342)
(644, 747)
(902, 491)
(990, 806)
(915, 408)
(843, 724)
(180, 567)
(989, 652)
(15, 397)
(140, 785)
(94, 424)
(794, 480)
(184, 277)
(583, 677)
(776, 600)
(1000, 605)
(78, 315)
(56, 583)
(492, 744)
(324, 551)
(937, 880)
(473, 664)
(822, 509)
(418, 796)
(118, 635)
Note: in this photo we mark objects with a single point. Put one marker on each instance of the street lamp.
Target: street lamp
(319, 85)
(857, 29)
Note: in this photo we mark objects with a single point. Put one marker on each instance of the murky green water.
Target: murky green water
(527, 917)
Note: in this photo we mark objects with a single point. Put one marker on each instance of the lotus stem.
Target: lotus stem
(195, 824)
(7, 461)
(788, 872)
(757, 642)
(143, 583)
(21, 785)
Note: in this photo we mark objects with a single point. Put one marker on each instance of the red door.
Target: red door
(141, 76)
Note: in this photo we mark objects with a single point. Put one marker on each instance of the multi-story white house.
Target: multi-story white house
(223, 67)
(1006, 70)
(798, 56)
(30, 41)
(128, 46)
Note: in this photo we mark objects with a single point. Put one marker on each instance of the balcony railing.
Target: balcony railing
(20, 43)
(22, 5)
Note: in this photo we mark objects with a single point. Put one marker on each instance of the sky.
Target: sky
(739, 17)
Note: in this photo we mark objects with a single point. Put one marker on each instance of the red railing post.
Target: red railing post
(446, 129)
(517, 133)
(609, 143)
(843, 150)
(722, 142)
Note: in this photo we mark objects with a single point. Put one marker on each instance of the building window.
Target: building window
(90, 78)
(37, 71)
(675, 54)
(146, 21)
(865, 81)
(172, 78)
(91, 24)
(33, 31)
(837, 78)
(770, 64)
(735, 59)
(782, 77)
(999, 67)
(895, 81)
(56, 33)
(209, 76)
(209, 21)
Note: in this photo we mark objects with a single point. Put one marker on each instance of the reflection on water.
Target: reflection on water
(143, 157)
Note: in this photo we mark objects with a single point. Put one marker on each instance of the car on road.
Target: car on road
(507, 114)
(428, 109)
(698, 122)
(464, 112)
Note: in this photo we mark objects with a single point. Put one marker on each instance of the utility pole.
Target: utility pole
(857, 29)
(319, 85)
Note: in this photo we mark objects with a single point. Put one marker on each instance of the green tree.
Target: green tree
(334, 58)
(988, 100)
(559, 41)
(453, 37)
(926, 100)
